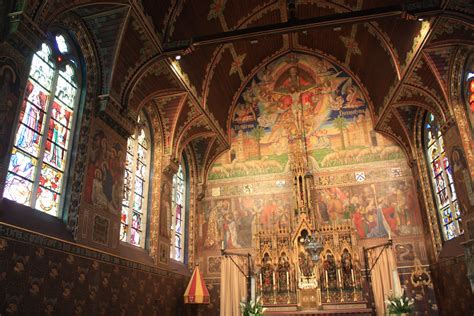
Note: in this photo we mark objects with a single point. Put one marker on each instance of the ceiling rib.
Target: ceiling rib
(293, 25)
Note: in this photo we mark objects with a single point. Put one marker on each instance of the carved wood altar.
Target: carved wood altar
(302, 263)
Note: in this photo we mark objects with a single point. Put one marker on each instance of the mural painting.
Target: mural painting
(301, 94)
(375, 210)
(104, 181)
(235, 220)
(302, 97)
(9, 95)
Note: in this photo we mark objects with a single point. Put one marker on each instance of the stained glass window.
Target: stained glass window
(441, 173)
(178, 218)
(470, 91)
(38, 162)
(135, 186)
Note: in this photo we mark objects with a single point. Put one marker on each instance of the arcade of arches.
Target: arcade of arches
(330, 140)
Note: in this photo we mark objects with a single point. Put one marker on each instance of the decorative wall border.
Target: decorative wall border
(22, 235)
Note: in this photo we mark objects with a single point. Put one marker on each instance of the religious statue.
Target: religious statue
(283, 273)
(267, 276)
(330, 268)
(347, 273)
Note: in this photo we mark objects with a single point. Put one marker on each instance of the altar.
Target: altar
(302, 264)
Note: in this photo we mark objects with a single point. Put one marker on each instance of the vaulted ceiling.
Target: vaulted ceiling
(398, 51)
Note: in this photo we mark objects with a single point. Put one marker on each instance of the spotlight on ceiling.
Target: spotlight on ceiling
(421, 19)
(177, 57)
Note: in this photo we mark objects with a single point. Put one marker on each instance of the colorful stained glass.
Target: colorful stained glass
(50, 178)
(440, 183)
(42, 69)
(442, 178)
(37, 96)
(143, 139)
(18, 189)
(141, 153)
(38, 158)
(135, 185)
(138, 186)
(22, 164)
(129, 162)
(47, 201)
(141, 170)
(62, 115)
(62, 44)
(135, 237)
(124, 215)
(123, 232)
(65, 91)
(138, 203)
(136, 221)
(178, 218)
(54, 155)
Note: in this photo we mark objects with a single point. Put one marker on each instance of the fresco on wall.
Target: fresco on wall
(305, 95)
(9, 95)
(375, 210)
(104, 181)
(300, 94)
(235, 220)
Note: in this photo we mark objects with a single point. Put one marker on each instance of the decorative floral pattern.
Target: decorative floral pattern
(40, 278)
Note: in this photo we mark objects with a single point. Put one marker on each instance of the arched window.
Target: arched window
(178, 216)
(42, 146)
(136, 185)
(441, 174)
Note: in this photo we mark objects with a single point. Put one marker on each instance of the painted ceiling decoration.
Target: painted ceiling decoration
(227, 45)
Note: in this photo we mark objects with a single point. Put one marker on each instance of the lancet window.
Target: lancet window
(42, 146)
(136, 185)
(441, 174)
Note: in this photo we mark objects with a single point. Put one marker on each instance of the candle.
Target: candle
(352, 276)
(327, 281)
(274, 284)
(261, 279)
(389, 234)
(252, 288)
(287, 281)
(339, 276)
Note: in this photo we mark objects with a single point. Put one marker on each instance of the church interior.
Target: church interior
(178, 157)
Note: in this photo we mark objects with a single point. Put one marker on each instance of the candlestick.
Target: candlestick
(274, 284)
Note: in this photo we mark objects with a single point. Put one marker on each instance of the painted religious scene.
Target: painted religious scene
(305, 95)
(305, 165)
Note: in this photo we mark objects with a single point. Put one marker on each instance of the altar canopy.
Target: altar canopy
(233, 286)
(196, 292)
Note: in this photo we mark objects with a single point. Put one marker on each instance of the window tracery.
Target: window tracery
(441, 174)
(39, 157)
(136, 185)
(178, 215)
